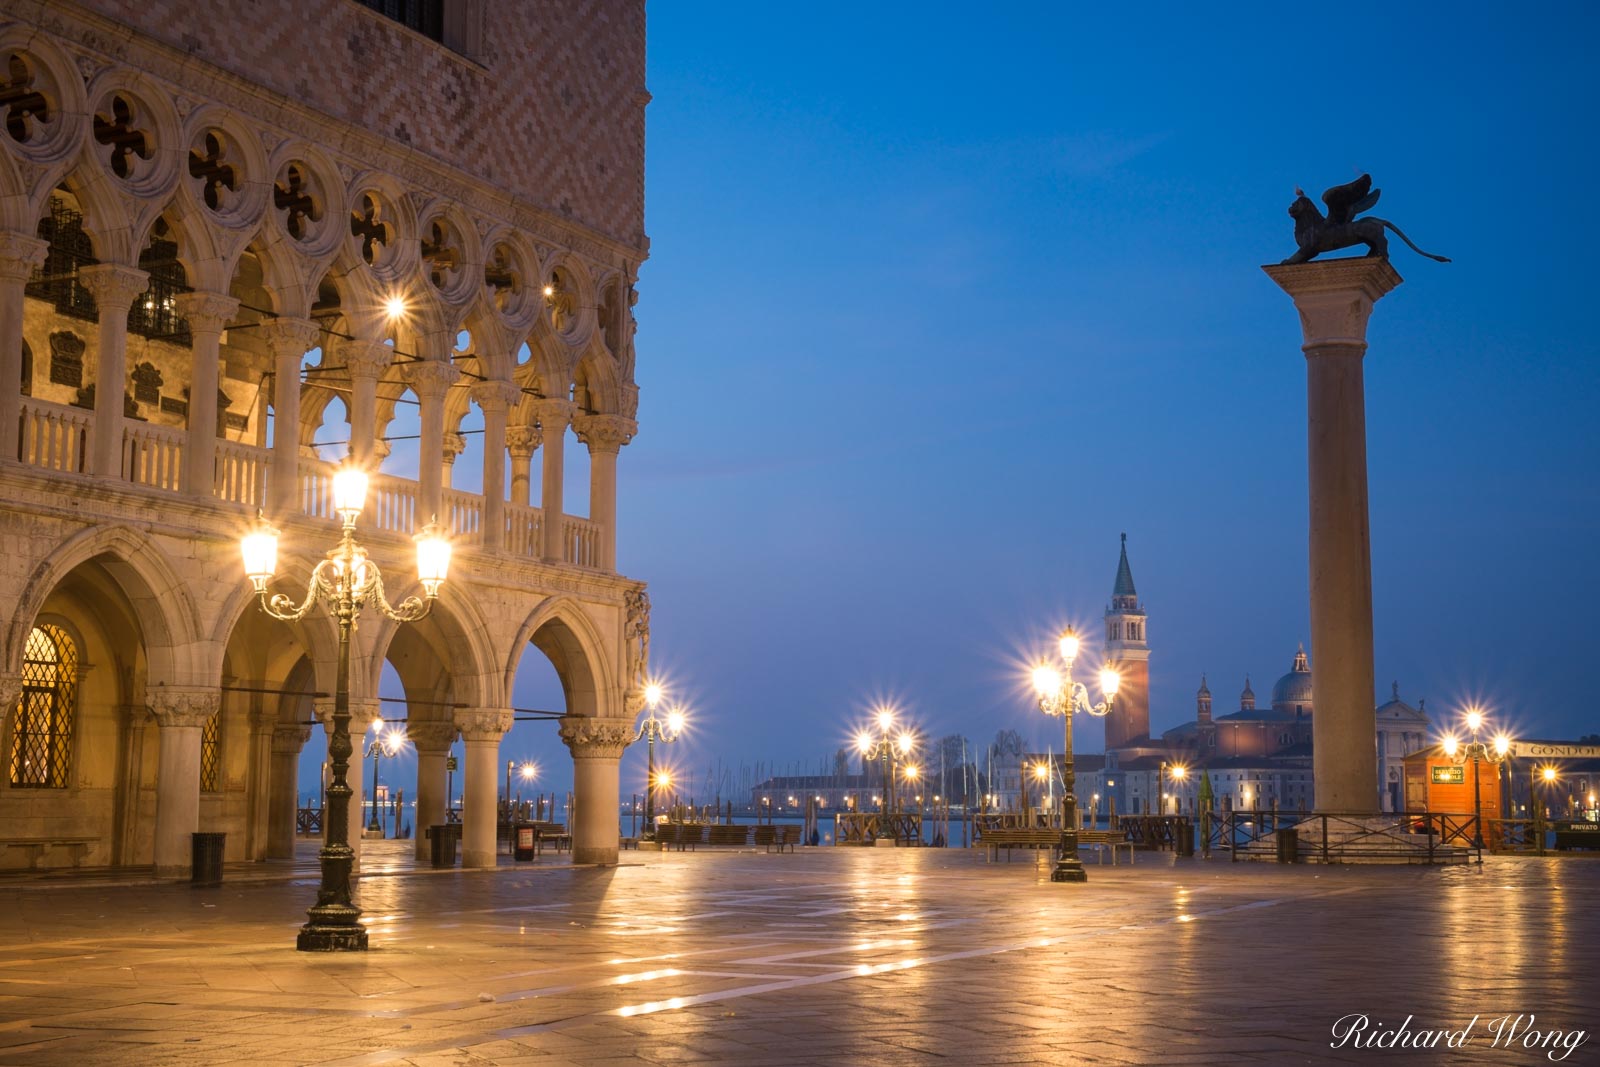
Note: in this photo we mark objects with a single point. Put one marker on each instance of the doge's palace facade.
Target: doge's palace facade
(220, 223)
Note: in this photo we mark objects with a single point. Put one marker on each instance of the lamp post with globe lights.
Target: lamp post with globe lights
(385, 743)
(1060, 695)
(345, 582)
(884, 746)
(1477, 750)
(652, 730)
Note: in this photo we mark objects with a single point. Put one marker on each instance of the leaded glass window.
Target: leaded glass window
(42, 724)
(211, 754)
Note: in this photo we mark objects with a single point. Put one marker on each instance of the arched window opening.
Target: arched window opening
(211, 754)
(56, 279)
(41, 735)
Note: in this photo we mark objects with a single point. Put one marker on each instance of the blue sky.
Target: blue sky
(941, 300)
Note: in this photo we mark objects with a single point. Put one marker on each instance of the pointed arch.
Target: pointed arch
(566, 635)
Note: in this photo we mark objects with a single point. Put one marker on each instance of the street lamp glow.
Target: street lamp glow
(674, 721)
(1180, 772)
(1110, 681)
(1046, 680)
(652, 693)
(912, 772)
(1502, 744)
(904, 743)
(1040, 771)
(1450, 746)
(349, 492)
(395, 306)
(260, 550)
(885, 718)
(1069, 645)
(1474, 720)
(1549, 774)
(529, 771)
(433, 558)
(864, 742)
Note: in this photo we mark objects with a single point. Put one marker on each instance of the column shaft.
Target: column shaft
(290, 340)
(553, 418)
(207, 315)
(19, 255)
(596, 785)
(480, 817)
(181, 714)
(114, 288)
(430, 380)
(284, 800)
(365, 362)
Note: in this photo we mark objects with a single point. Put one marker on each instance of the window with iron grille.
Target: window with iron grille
(211, 754)
(154, 314)
(56, 279)
(424, 16)
(41, 732)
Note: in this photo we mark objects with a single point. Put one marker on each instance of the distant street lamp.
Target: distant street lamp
(384, 744)
(1179, 773)
(345, 581)
(652, 730)
(1477, 751)
(884, 746)
(1547, 775)
(1060, 695)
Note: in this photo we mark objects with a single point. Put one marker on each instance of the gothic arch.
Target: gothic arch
(456, 633)
(317, 634)
(561, 630)
(159, 599)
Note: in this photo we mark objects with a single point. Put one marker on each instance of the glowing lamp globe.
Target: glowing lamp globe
(904, 743)
(259, 548)
(1474, 720)
(1180, 772)
(1502, 745)
(675, 721)
(433, 558)
(1046, 681)
(885, 719)
(1110, 682)
(652, 694)
(349, 492)
(1069, 645)
(1450, 746)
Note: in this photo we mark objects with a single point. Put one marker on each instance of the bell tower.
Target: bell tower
(1128, 652)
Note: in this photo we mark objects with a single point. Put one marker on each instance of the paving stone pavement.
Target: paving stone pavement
(829, 956)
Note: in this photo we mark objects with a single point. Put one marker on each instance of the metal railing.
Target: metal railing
(870, 827)
(1331, 837)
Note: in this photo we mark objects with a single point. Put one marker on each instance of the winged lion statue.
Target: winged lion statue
(1316, 233)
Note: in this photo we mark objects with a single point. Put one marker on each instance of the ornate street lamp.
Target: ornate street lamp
(384, 744)
(652, 730)
(884, 746)
(1477, 751)
(1060, 695)
(345, 582)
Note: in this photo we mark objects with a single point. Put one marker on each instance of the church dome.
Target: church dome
(1293, 691)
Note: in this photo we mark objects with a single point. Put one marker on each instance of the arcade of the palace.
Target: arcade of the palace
(209, 291)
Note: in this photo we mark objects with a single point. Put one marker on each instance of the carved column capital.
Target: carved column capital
(554, 415)
(182, 705)
(604, 433)
(20, 254)
(521, 441)
(288, 740)
(10, 691)
(364, 359)
(1335, 296)
(454, 445)
(483, 724)
(436, 737)
(496, 395)
(291, 336)
(113, 285)
(593, 738)
(363, 713)
(206, 312)
(430, 379)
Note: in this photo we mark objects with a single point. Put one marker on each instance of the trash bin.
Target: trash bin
(442, 840)
(523, 842)
(1186, 838)
(1288, 845)
(206, 859)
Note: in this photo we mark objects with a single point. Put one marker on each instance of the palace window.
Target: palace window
(56, 279)
(154, 314)
(424, 16)
(41, 732)
(211, 754)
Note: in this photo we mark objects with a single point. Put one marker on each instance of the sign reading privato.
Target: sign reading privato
(1449, 775)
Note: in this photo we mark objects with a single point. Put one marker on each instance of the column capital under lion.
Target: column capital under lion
(182, 705)
(590, 737)
(1335, 297)
(483, 724)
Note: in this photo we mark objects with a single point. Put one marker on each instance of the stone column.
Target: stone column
(433, 741)
(208, 315)
(605, 435)
(520, 443)
(1334, 299)
(481, 730)
(363, 713)
(454, 445)
(289, 341)
(181, 712)
(114, 288)
(553, 418)
(596, 746)
(365, 362)
(284, 804)
(430, 379)
(19, 255)
(494, 399)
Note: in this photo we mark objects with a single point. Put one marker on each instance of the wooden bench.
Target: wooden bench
(1009, 838)
(1105, 840)
(681, 834)
(727, 836)
(37, 848)
(778, 837)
